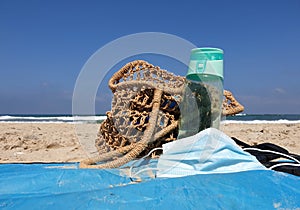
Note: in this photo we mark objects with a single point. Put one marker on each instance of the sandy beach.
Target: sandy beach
(61, 142)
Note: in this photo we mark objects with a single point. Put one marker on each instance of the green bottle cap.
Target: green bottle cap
(205, 61)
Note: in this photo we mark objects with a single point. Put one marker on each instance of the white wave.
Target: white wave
(46, 122)
(261, 121)
(6, 117)
(51, 122)
(241, 114)
(88, 118)
(32, 119)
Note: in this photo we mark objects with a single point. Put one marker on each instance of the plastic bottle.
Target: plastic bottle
(201, 106)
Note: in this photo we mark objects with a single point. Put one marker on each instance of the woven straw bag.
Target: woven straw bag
(145, 114)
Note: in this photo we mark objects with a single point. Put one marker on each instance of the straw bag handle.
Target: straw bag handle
(154, 78)
(115, 79)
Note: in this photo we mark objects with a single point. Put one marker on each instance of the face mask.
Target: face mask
(209, 151)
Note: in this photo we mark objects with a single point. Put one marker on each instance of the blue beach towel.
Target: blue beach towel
(64, 186)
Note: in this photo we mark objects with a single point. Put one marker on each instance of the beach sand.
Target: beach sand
(63, 142)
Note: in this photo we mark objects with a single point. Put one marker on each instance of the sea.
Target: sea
(62, 118)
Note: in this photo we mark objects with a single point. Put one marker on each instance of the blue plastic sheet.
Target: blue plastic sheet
(64, 186)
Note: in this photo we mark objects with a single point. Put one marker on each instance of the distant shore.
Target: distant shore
(65, 142)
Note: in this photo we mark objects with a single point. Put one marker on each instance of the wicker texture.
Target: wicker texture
(145, 114)
(230, 105)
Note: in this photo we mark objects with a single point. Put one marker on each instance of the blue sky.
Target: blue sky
(44, 45)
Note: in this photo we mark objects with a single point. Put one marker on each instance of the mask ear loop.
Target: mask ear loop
(131, 176)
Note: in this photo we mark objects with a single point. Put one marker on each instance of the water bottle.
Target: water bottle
(201, 106)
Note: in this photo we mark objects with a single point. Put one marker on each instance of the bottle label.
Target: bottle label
(213, 67)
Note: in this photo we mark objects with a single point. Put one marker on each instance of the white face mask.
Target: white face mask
(209, 151)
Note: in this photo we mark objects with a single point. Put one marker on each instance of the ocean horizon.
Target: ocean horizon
(68, 118)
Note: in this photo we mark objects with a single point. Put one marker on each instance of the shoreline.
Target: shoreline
(65, 142)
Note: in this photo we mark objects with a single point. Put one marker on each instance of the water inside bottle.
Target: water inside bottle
(201, 106)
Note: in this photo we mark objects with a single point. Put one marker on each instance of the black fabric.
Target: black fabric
(267, 158)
